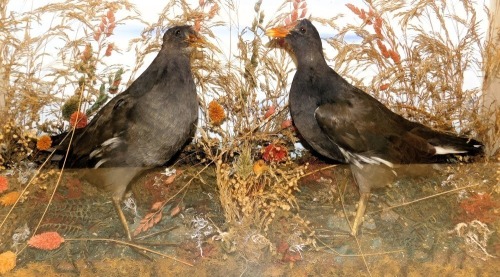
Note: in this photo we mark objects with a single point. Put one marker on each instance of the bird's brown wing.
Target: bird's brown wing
(366, 128)
(104, 133)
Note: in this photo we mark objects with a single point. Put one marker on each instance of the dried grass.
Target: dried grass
(417, 58)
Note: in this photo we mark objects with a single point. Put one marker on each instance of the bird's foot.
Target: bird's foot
(123, 220)
(363, 200)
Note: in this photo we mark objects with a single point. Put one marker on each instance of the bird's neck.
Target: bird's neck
(311, 59)
(175, 66)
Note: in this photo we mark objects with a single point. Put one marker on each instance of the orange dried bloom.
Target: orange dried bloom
(384, 86)
(109, 49)
(87, 53)
(270, 112)
(354, 9)
(4, 184)
(395, 56)
(260, 167)
(213, 11)
(43, 143)
(275, 153)
(111, 16)
(7, 261)
(378, 27)
(216, 113)
(46, 241)
(102, 25)
(9, 198)
(359, 12)
(111, 28)
(78, 119)
(298, 12)
(383, 49)
(294, 16)
(286, 124)
(111, 22)
(197, 25)
(114, 87)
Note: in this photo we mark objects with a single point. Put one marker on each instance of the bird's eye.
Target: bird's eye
(303, 30)
(178, 32)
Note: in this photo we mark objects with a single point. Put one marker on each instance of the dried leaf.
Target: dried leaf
(4, 184)
(156, 206)
(175, 211)
(150, 220)
(46, 241)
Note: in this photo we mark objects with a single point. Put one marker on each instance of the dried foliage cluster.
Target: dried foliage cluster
(16, 144)
(254, 198)
(244, 95)
(37, 85)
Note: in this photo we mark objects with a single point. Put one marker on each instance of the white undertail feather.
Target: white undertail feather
(447, 150)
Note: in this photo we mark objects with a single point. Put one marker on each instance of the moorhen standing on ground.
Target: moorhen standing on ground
(332, 114)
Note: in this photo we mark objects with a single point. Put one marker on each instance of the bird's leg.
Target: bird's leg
(363, 200)
(116, 202)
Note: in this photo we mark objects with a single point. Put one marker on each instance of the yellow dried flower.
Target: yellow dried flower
(260, 167)
(216, 113)
(43, 143)
(9, 198)
(7, 261)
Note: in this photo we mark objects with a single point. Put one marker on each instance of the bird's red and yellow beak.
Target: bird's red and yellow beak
(278, 32)
(194, 39)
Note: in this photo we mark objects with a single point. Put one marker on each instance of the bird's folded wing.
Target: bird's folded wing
(372, 132)
(348, 126)
(104, 132)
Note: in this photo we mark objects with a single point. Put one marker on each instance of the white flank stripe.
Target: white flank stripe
(96, 153)
(389, 164)
(97, 165)
(112, 142)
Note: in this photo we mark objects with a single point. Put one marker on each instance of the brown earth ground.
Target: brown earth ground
(451, 232)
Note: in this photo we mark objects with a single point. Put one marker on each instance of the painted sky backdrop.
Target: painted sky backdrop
(242, 17)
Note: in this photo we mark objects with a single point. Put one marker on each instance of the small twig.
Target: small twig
(423, 198)
(156, 233)
(318, 170)
(160, 244)
(131, 245)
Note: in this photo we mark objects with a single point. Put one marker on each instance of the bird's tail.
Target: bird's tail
(445, 143)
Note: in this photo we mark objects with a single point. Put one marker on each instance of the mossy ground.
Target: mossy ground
(416, 239)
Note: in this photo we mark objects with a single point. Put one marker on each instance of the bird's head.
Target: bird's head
(302, 39)
(182, 37)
